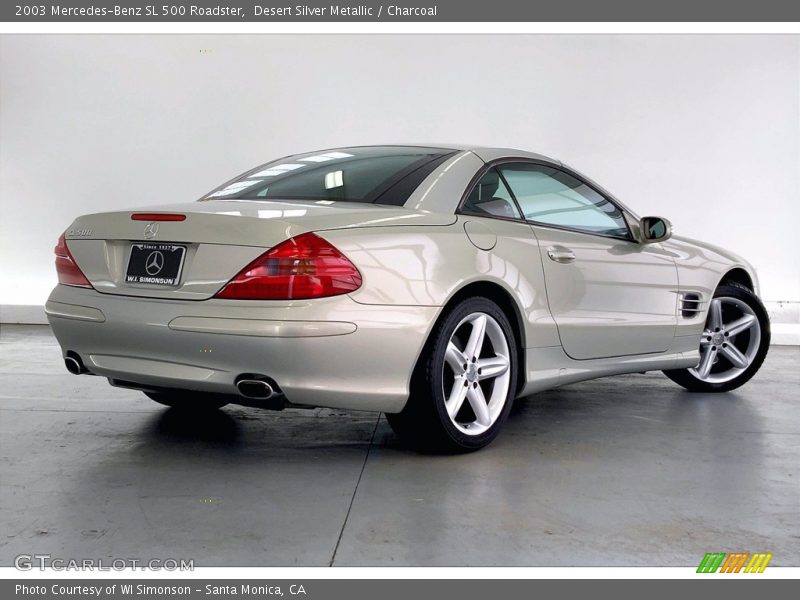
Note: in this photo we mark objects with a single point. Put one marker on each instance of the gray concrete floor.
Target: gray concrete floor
(620, 471)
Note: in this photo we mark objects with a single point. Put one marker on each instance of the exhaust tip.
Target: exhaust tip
(255, 389)
(74, 365)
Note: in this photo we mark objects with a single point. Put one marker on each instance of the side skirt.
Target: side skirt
(550, 367)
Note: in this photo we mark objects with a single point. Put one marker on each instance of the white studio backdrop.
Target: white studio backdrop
(702, 129)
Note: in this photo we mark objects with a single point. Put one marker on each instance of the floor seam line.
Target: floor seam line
(355, 491)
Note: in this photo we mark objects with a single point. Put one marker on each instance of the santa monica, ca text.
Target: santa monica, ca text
(245, 589)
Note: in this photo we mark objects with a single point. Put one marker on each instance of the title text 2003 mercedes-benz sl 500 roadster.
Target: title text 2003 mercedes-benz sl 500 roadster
(434, 284)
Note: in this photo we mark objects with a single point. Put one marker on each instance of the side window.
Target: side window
(552, 197)
(490, 198)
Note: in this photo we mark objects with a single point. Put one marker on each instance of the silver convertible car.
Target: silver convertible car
(434, 284)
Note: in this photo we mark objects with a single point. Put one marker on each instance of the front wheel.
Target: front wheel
(464, 385)
(733, 345)
(186, 400)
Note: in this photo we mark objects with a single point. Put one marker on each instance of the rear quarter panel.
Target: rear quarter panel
(427, 266)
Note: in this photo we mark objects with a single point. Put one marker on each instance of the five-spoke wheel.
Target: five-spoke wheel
(477, 370)
(465, 382)
(728, 348)
(733, 345)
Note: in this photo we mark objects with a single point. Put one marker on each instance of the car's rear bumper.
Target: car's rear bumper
(330, 352)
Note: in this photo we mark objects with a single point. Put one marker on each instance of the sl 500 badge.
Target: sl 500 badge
(79, 232)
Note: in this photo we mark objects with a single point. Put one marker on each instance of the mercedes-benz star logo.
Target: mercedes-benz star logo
(150, 230)
(154, 264)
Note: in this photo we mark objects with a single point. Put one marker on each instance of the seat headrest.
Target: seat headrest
(487, 187)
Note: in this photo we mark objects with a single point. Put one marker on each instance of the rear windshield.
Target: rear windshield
(376, 174)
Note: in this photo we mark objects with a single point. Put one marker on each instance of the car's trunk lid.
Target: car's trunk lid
(220, 238)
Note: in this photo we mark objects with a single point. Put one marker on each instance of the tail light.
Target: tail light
(305, 266)
(67, 269)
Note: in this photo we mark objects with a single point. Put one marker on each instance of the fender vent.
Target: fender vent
(690, 305)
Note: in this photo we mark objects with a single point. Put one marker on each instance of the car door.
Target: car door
(609, 295)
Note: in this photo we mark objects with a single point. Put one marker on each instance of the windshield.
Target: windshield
(379, 174)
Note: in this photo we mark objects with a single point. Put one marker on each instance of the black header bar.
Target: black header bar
(243, 11)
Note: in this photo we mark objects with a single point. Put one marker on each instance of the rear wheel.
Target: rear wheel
(187, 400)
(464, 385)
(734, 343)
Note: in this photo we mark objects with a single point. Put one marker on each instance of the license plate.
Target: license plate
(155, 264)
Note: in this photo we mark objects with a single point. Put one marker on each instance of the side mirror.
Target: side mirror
(654, 229)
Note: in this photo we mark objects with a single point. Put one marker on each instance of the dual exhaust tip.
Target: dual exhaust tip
(254, 387)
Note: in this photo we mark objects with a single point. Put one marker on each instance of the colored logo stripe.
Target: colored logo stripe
(734, 562)
(711, 562)
(758, 563)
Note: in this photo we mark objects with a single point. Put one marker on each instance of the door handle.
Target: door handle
(560, 254)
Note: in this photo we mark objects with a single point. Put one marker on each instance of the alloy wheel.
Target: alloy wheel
(730, 341)
(476, 374)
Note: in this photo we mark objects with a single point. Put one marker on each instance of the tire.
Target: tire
(187, 400)
(440, 382)
(737, 304)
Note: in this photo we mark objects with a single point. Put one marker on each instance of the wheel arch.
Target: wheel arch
(740, 276)
(500, 296)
